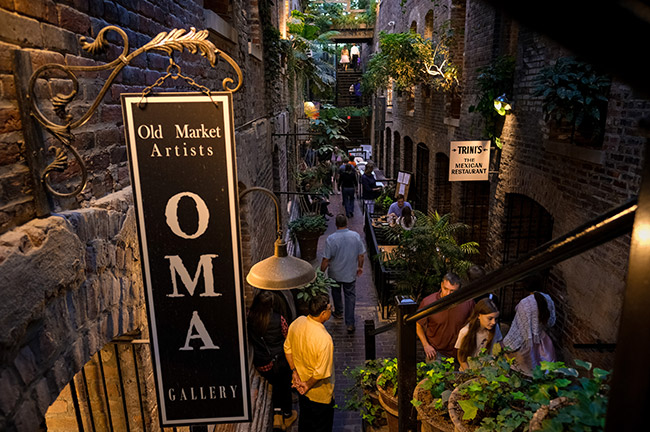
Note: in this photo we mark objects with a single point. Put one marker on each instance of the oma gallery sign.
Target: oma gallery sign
(182, 159)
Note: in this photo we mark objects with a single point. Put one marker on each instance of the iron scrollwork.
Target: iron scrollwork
(167, 42)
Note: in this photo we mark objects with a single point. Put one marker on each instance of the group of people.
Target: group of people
(462, 331)
(400, 213)
(354, 52)
(300, 355)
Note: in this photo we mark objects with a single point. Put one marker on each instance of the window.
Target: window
(223, 8)
(428, 25)
(421, 197)
(442, 185)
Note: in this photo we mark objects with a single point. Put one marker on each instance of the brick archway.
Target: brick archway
(79, 274)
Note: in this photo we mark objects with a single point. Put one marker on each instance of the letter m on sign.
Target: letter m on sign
(176, 267)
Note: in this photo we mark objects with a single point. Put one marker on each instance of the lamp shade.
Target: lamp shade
(281, 271)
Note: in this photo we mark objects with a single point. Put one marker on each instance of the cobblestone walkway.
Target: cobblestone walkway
(349, 349)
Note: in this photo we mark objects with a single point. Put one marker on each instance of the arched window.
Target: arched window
(414, 27)
(428, 25)
(387, 155)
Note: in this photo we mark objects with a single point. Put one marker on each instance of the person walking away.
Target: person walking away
(348, 182)
(310, 353)
(528, 339)
(267, 329)
(355, 56)
(481, 331)
(439, 332)
(343, 256)
(345, 58)
(369, 188)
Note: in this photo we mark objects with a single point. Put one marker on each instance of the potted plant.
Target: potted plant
(362, 396)
(320, 285)
(387, 385)
(427, 252)
(432, 394)
(575, 98)
(579, 406)
(306, 230)
(499, 398)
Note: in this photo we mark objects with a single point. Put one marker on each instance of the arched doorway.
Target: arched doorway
(389, 142)
(474, 210)
(527, 225)
(408, 154)
(421, 196)
(396, 154)
(442, 185)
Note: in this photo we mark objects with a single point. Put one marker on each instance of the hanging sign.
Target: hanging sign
(182, 158)
(469, 160)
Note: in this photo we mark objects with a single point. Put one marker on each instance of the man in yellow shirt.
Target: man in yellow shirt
(310, 353)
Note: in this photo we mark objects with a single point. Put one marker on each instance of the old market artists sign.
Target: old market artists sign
(469, 160)
(182, 156)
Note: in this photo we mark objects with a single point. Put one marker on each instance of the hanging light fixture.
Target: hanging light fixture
(502, 105)
(280, 271)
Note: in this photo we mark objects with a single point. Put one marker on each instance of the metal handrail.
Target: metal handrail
(606, 227)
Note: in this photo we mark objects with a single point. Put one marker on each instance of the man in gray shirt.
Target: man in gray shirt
(344, 257)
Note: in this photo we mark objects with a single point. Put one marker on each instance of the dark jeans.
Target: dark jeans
(348, 201)
(281, 382)
(350, 295)
(314, 416)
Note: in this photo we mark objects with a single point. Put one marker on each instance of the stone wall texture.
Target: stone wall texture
(71, 281)
(571, 183)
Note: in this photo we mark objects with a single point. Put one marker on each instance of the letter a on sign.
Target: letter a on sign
(185, 194)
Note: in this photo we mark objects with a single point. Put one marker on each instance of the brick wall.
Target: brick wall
(72, 280)
(572, 183)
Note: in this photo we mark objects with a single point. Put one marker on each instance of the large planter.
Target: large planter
(432, 420)
(380, 423)
(456, 412)
(546, 411)
(308, 243)
(389, 404)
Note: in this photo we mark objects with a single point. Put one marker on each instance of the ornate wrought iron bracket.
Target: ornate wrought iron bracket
(175, 40)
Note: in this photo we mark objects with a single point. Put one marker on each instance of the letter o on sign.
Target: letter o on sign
(171, 215)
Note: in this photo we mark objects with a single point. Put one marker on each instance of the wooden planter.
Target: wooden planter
(545, 411)
(389, 404)
(456, 412)
(432, 420)
(308, 243)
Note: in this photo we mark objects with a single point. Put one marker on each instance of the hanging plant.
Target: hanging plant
(575, 95)
(493, 81)
(409, 59)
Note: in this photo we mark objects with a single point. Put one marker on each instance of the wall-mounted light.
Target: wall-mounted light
(502, 105)
(281, 271)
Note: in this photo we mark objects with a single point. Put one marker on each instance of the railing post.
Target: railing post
(405, 364)
(369, 339)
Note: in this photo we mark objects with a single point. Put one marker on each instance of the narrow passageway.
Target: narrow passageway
(349, 349)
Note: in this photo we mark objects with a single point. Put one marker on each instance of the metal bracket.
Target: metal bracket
(175, 40)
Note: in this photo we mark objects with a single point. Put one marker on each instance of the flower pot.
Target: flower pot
(308, 243)
(546, 411)
(432, 420)
(389, 404)
(456, 412)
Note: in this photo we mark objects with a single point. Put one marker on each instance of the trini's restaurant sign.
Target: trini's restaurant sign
(469, 160)
(182, 158)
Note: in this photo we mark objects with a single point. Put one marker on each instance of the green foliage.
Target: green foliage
(321, 285)
(587, 409)
(440, 381)
(575, 92)
(388, 379)
(493, 81)
(501, 399)
(427, 252)
(315, 224)
(358, 396)
(328, 128)
(409, 59)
